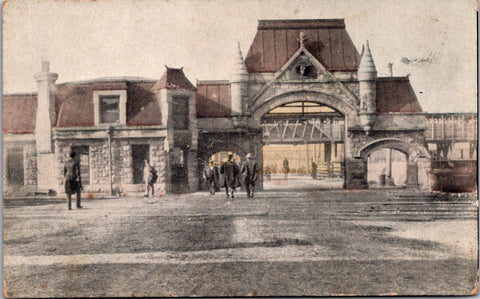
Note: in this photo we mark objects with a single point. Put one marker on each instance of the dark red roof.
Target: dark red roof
(213, 99)
(143, 108)
(395, 94)
(74, 103)
(174, 79)
(19, 113)
(277, 40)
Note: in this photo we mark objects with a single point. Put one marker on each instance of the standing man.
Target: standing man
(286, 169)
(250, 171)
(147, 177)
(72, 180)
(210, 175)
(314, 170)
(230, 172)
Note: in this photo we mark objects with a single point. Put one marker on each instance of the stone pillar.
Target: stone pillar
(356, 173)
(192, 168)
(424, 168)
(412, 176)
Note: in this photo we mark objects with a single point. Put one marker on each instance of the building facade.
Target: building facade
(115, 124)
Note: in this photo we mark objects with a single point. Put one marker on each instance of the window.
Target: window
(81, 153)
(180, 113)
(109, 109)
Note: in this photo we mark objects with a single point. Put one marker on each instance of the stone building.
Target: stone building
(115, 124)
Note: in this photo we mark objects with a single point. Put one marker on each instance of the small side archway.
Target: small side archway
(418, 159)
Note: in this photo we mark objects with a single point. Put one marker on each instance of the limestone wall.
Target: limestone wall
(122, 164)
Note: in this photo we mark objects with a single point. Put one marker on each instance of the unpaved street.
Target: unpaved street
(279, 243)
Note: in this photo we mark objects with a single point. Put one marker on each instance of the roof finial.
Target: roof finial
(302, 38)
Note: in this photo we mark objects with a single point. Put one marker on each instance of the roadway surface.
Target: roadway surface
(282, 243)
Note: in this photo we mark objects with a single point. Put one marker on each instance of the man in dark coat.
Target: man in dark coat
(230, 172)
(250, 172)
(286, 168)
(211, 176)
(72, 180)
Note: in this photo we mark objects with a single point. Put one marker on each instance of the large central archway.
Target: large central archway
(303, 143)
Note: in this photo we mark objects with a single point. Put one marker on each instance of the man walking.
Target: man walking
(286, 168)
(150, 176)
(250, 172)
(210, 176)
(230, 172)
(72, 180)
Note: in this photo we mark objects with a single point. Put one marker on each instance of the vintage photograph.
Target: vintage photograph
(219, 148)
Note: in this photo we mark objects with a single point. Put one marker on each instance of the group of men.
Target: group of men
(229, 175)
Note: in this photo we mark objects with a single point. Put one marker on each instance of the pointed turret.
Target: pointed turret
(366, 69)
(239, 82)
(367, 76)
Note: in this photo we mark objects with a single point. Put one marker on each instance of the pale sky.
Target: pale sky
(432, 40)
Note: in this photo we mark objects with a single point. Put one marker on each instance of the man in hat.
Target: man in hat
(210, 175)
(72, 180)
(150, 177)
(250, 172)
(230, 172)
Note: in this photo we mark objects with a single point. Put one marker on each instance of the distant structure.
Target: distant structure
(311, 66)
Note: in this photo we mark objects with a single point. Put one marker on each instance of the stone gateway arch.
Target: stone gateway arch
(315, 61)
(115, 124)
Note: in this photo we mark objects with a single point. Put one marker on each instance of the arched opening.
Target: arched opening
(413, 162)
(303, 146)
(387, 167)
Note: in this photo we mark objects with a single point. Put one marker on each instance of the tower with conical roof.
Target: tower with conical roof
(367, 76)
(239, 83)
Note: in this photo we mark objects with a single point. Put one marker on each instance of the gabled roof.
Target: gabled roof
(19, 113)
(174, 79)
(395, 94)
(74, 102)
(213, 99)
(277, 40)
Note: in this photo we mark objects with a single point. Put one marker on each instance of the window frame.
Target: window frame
(122, 106)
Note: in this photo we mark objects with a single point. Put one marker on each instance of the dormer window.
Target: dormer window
(110, 107)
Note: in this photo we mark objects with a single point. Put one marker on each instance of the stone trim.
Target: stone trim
(409, 149)
(122, 94)
(296, 96)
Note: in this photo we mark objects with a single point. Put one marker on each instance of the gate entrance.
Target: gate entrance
(303, 146)
(387, 168)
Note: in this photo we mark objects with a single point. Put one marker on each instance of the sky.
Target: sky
(432, 41)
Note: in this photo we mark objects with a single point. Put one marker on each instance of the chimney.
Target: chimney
(390, 69)
(45, 109)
